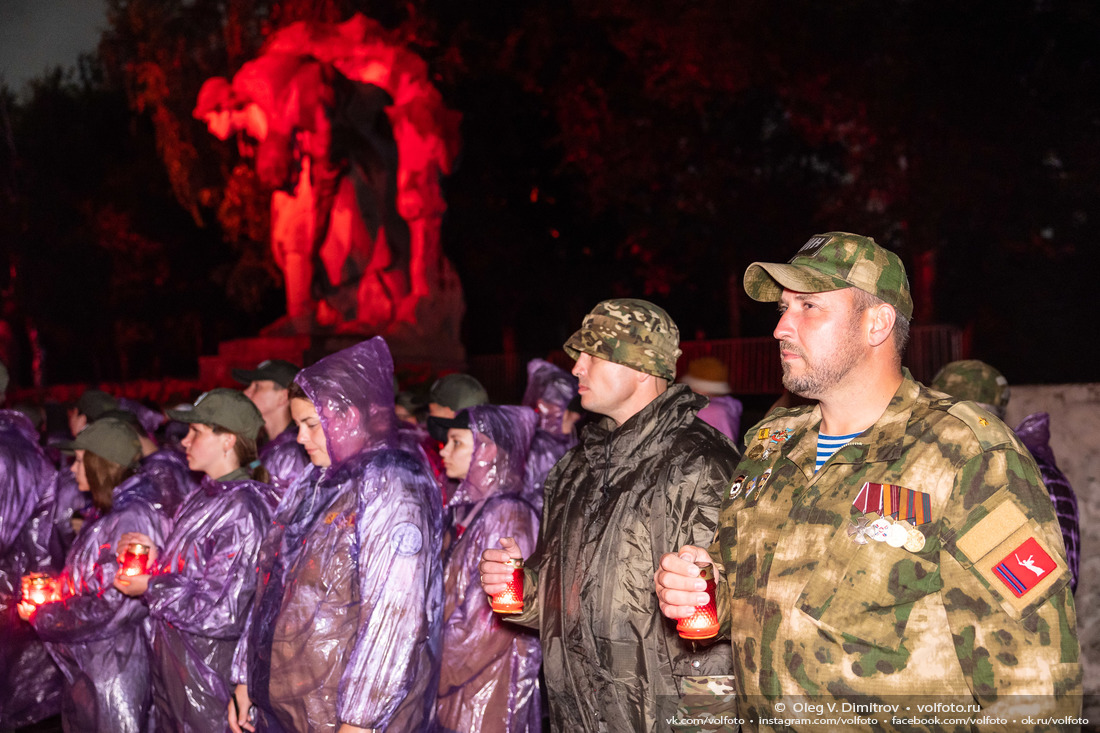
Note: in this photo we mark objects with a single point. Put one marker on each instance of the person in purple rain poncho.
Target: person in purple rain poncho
(30, 683)
(164, 467)
(549, 391)
(709, 377)
(490, 670)
(205, 577)
(95, 634)
(267, 386)
(344, 634)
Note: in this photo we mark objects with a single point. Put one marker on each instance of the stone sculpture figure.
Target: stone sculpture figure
(345, 128)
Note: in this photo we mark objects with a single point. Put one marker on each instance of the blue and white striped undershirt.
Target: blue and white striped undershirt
(827, 445)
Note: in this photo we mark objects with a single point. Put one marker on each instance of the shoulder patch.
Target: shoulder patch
(987, 428)
(1006, 550)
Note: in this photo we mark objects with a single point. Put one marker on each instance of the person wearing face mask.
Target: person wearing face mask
(489, 676)
(344, 633)
(202, 587)
(96, 634)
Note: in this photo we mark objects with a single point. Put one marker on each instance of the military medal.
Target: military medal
(897, 535)
(751, 486)
(735, 487)
(879, 528)
(915, 543)
(859, 529)
(764, 478)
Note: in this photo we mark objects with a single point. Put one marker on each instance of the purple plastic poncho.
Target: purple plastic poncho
(30, 683)
(549, 391)
(150, 419)
(489, 677)
(723, 413)
(170, 475)
(97, 635)
(1034, 432)
(69, 502)
(285, 459)
(346, 624)
(200, 597)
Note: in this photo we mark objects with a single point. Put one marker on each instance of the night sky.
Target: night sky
(36, 35)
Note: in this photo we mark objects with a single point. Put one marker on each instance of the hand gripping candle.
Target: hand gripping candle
(510, 600)
(134, 560)
(703, 624)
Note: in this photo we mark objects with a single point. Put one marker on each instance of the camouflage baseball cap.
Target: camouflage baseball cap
(226, 408)
(631, 332)
(832, 261)
(976, 381)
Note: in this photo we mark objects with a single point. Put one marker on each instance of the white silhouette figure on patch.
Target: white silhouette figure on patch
(1029, 563)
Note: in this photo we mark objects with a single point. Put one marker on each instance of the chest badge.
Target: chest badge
(735, 487)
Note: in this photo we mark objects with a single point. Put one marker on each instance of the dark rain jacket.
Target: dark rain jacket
(489, 678)
(346, 624)
(96, 634)
(199, 598)
(614, 505)
(30, 683)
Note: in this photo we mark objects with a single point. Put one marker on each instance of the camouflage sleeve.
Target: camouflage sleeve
(530, 616)
(1006, 589)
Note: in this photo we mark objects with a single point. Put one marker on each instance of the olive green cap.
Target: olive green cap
(458, 391)
(833, 261)
(94, 403)
(975, 381)
(631, 332)
(226, 408)
(108, 438)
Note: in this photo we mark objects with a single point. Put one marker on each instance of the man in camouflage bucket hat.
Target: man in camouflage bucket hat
(888, 545)
(644, 480)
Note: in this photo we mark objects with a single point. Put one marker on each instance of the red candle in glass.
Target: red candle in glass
(39, 588)
(135, 559)
(703, 624)
(510, 600)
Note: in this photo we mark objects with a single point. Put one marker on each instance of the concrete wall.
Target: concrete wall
(1075, 437)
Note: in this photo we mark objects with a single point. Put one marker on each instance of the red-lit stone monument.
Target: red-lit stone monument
(345, 127)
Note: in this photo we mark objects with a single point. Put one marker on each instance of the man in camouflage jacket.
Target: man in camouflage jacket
(645, 479)
(919, 563)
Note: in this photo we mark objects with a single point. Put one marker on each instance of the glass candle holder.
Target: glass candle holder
(39, 588)
(510, 600)
(703, 624)
(134, 560)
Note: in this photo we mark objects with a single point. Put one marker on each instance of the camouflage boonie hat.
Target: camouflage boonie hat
(832, 261)
(631, 332)
(976, 381)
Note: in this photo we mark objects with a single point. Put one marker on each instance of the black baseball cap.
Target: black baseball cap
(278, 371)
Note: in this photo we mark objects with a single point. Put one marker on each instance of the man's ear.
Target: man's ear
(284, 398)
(880, 323)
